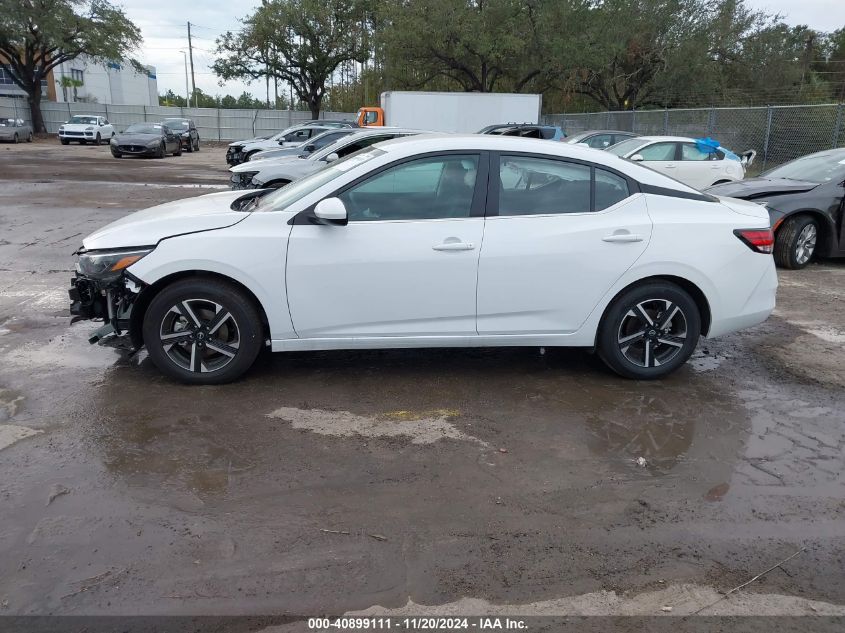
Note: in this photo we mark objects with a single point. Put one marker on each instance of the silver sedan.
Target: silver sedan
(15, 130)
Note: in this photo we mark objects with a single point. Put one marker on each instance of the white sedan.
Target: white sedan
(682, 159)
(84, 128)
(434, 241)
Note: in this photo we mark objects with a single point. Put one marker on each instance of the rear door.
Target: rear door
(699, 169)
(662, 157)
(558, 235)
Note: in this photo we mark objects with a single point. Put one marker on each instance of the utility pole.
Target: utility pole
(187, 89)
(191, 56)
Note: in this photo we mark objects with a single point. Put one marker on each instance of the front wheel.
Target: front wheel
(16, 139)
(202, 331)
(162, 151)
(99, 140)
(795, 242)
(178, 150)
(649, 331)
(29, 138)
(64, 141)
(197, 145)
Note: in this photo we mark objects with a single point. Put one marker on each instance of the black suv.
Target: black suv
(187, 130)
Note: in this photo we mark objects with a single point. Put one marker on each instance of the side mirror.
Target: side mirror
(332, 210)
(637, 158)
(332, 157)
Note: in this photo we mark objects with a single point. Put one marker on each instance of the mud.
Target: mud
(506, 478)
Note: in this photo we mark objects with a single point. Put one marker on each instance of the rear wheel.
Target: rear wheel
(795, 242)
(197, 144)
(649, 331)
(202, 331)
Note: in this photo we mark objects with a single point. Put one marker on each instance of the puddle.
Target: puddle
(11, 433)
(684, 599)
(424, 427)
(70, 350)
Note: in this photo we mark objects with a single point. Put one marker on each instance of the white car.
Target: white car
(435, 241)
(86, 128)
(278, 172)
(681, 158)
(241, 151)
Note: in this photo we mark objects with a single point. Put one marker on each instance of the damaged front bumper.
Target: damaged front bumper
(112, 301)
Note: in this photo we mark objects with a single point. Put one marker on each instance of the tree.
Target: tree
(301, 42)
(478, 46)
(170, 98)
(38, 35)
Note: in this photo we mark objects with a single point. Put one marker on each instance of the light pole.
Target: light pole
(187, 91)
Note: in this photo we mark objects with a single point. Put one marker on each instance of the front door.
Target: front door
(404, 265)
(563, 235)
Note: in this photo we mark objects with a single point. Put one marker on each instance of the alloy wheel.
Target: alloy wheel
(805, 245)
(652, 332)
(199, 335)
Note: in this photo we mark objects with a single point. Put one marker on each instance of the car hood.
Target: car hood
(150, 226)
(77, 127)
(248, 140)
(136, 139)
(758, 187)
(268, 170)
(251, 165)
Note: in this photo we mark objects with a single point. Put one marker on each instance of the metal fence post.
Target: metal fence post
(634, 120)
(219, 131)
(665, 121)
(836, 127)
(68, 111)
(711, 121)
(766, 139)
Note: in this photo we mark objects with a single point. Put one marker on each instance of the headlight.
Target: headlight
(153, 143)
(113, 141)
(109, 264)
(88, 129)
(61, 128)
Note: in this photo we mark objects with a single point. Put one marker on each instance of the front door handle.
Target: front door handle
(623, 237)
(453, 244)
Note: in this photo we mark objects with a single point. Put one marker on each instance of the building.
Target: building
(87, 81)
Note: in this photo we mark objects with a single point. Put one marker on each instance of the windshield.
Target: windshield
(284, 197)
(83, 120)
(7, 122)
(143, 128)
(626, 147)
(279, 135)
(577, 138)
(176, 124)
(817, 168)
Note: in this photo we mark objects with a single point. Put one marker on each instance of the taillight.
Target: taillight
(758, 240)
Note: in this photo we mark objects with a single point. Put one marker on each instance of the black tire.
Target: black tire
(190, 147)
(116, 154)
(162, 150)
(796, 241)
(99, 140)
(637, 349)
(64, 141)
(197, 145)
(178, 151)
(242, 332)
(16, 139)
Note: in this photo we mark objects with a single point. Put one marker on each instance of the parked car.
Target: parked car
(683, 158)
(526, 130)
(272, 174)
(187, 130)
(146, 139)
(300, 151)
(240, 151)
(805, 199)
(600, 139)
(15, 130)
(84, 128)
(384, 249)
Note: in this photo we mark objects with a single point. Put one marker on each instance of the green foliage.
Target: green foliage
(301, 42)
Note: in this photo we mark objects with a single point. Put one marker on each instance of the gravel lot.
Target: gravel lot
(348, 481)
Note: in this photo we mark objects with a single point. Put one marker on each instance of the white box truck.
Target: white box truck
(465, 112)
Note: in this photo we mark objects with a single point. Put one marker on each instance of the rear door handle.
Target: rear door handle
(456, 245)
(623, 237)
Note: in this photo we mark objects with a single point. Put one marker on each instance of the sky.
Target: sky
(163, 24)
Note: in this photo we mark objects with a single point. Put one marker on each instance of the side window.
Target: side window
(658, 151)
(600, 141)
(610, 189)
(365, 142)
(531, 186)
(423, 189)
(691, 152)
(370, 117)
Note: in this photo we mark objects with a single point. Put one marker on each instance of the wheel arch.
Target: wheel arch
(827, 228)
(689, 287)
(139, 308)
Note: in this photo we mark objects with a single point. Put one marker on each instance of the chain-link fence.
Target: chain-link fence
(213, 124)
(777, 133)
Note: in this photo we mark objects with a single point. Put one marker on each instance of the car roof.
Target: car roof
(586, 132)
(676, 139)
(428, 142)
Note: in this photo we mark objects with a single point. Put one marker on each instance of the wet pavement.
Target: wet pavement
(338, 481)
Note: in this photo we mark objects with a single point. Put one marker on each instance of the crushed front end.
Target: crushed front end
(102, 288)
